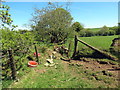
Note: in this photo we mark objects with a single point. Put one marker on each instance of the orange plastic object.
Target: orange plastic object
(32, 63)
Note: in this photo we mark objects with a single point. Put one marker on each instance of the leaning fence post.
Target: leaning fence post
(36, 53)
(12, 65)
(75, 46)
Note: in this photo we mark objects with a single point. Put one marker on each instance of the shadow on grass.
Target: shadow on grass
(95, 55)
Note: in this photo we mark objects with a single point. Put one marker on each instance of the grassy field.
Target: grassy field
(94, 29)
(101, 42)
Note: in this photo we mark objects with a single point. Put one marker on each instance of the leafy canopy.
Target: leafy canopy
(77, 27)
(52, 22)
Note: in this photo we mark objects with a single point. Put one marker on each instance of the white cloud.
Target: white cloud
(23, 28)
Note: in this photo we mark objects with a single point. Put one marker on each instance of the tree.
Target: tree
(116, 29)
(52, 23)
(5, 17)
(10, 39)
(104, 31)
(82, 33)
(104, 28)
(77, 27)
(111, 32)
(86, 33)
(4, 14)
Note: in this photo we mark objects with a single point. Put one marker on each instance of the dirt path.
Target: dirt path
(95, 66)
(71, 70)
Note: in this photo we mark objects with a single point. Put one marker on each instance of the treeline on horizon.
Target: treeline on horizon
(88, 32)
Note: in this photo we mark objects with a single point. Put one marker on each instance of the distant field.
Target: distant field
(94, 29)
(101, 42)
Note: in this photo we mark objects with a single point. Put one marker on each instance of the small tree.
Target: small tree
(112, 32)
(104, 31)
(116, 29)
(52, 23)
(77, 27)
(104, 28)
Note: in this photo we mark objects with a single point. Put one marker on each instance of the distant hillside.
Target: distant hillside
(94, 29)
(97, 29)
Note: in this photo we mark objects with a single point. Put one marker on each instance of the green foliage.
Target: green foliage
(5, 17)
(53, 25)
(116, 29)
(14, 40)
(86, 33)
(104, 28)
(77, 27)
(111, 32)
(20, 45)
(104, 31)
(18, 42)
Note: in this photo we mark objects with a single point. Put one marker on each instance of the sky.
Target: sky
(62, 0)
(89, 14)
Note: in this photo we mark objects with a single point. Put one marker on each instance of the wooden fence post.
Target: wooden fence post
(12, 65)
(36, 54)
(75, 46)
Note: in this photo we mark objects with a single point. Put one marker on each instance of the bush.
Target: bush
(86, 33)
(20, 45)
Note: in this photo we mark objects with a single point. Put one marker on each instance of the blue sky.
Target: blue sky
(62, 0)
(90, 14)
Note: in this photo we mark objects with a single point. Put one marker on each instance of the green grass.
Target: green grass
(6, 83)
(94, 29)
(64, 76)
(52, 78)
(101, 42)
